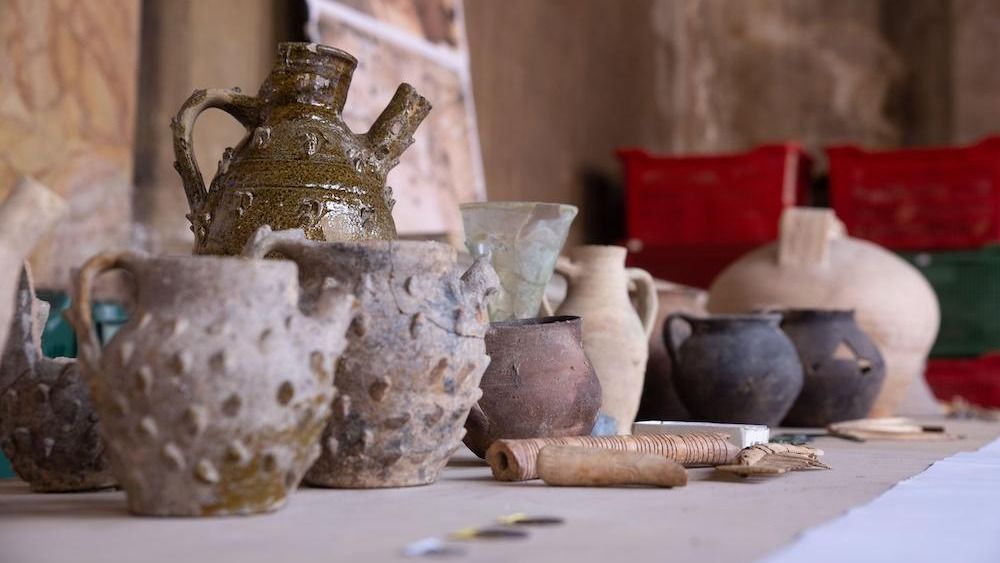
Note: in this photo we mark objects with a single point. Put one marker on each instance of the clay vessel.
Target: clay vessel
(733, 368)
(539, 384)
(522, 240)
(815, 265)
(615, 337)
(415, 355)
(213, 397)
(299, 165)
(48, 427)
(27, 214)
(843, 368)
(659, 398)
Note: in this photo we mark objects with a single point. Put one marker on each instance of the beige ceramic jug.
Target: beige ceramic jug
(815, 265)
(615, 337)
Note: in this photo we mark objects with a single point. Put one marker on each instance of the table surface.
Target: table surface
(713, 518)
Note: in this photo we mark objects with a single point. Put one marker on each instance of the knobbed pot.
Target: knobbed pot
(733, 368)
(843, 368)
(539, 384)
(299, 165)
(213, 397)
(615, 337)
(48, 427)
(415, 356)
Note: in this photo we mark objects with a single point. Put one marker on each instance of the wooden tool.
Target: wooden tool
(889, 428)
(576, 466)
(515, 460)
(774, 459)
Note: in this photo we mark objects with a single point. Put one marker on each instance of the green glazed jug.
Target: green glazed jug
(299, 165)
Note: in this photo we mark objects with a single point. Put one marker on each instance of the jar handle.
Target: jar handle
(674, 338)
(567, 269)
(648, 302)
(80, 310)
(245, 109)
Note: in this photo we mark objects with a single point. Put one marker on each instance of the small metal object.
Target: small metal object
(521, 519)
(488, 534)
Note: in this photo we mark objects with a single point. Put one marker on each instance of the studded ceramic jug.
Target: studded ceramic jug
(299, 165)
(213, 396)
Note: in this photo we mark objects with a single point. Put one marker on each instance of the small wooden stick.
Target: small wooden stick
(515, 460)
(575, 466)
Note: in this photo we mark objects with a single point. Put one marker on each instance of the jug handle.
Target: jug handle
(288, 242)
(673, 338)
(243, 108)
(567, 269)
(648, 302)
(80, 310)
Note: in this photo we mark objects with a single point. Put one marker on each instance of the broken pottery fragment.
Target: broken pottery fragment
(843, 368)
(213, 396)
(48, 427)
(414, 360)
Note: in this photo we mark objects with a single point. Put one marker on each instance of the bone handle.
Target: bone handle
(515, 460)
(575, 466)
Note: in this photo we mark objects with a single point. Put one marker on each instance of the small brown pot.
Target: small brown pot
(843, 368)
(539, 383)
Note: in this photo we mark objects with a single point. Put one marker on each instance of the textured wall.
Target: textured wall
(67, 108)
(189, 44)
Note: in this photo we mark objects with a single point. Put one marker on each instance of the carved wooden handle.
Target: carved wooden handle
(575, 466)
(516, 460)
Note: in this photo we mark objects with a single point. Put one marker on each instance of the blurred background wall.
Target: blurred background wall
(87, 89)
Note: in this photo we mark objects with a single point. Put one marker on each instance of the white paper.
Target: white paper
(950, 512)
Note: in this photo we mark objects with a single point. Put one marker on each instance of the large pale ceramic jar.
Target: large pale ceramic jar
(615, 335)
(213, 397)
(299, 165)
(522, 241)
(415, 356)
(815, 265)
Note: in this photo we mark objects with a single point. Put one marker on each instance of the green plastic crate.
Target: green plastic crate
(967, 284)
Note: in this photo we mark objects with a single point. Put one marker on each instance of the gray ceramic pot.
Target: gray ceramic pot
(733, 368)
(843, 368)
(213, 396)
(415, 356)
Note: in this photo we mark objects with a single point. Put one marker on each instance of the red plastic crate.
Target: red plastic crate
(691, 264)
(977, 380)
(720, 199)
(919, 199)
(688, 217)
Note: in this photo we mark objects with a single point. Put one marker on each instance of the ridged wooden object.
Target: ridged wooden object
(576, 466)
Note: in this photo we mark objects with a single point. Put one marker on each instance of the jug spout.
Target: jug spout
(393, 131)
(28, 213)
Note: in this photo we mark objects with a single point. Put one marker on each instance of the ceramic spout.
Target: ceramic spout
(28, 213)
(393, 131)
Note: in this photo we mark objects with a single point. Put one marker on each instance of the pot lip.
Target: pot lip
(805, 313)
(769, 317)
(318, 48)
(534, 323)
(515, 205)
